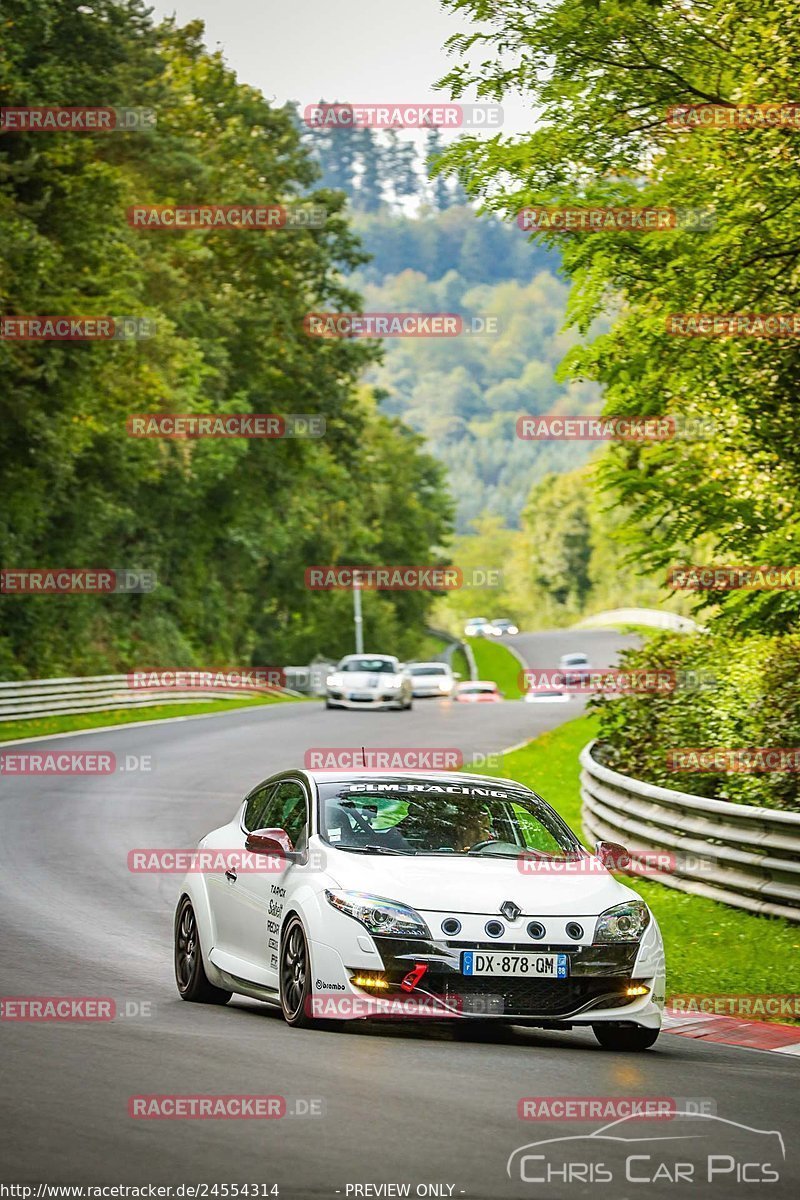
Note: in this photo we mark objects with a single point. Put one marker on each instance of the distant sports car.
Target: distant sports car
(477, 691)
(467, 893)
(369, 681)
(431, 678)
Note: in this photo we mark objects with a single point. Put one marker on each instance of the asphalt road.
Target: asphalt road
(400, 1104)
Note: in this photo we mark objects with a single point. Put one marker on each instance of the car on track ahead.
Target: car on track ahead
(504, 628)
(369, 681)
(431, 678)
(477, 691)
(478, 627)
(466, 894)
(576, 668)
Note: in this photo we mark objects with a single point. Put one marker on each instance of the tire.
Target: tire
(625, 1037)
(295, 976)
(190, 975)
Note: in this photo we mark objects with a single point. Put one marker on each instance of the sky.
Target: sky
(363, 51)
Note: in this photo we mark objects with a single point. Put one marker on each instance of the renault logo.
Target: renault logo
(510, 910)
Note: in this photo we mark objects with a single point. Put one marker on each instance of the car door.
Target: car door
(261, 895)
(223, 884)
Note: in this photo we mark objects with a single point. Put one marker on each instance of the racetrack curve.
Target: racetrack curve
(402, 1104)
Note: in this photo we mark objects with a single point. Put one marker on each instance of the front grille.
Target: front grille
(532, 997)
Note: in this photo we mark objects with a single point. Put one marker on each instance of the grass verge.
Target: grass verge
(44, 726)
(711, 948)
(495, 661)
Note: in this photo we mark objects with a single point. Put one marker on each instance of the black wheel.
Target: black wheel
(295, 976)
(190, 975)
(625, 1037)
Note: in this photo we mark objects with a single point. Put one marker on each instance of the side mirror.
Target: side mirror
(613, 856)
(271, 841)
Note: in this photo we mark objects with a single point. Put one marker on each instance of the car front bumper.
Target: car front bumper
(371, 699)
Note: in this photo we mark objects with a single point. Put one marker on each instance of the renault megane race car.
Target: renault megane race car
(369, 681)
(464, 891)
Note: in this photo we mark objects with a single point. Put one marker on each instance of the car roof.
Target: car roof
(443, 777)
(485, 683)
(386, 657)
(432, 663)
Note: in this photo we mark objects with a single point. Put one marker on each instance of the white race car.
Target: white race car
(465, 893)
(369, 681)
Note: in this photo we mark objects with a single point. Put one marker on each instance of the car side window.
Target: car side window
(256, 807)
(287, 808)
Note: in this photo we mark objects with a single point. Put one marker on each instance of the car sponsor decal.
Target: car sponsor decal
(448, 789)
(277, 899)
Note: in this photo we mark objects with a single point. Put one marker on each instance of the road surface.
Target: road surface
(401, 1105)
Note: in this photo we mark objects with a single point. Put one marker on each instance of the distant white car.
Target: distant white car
(369, 681)
(431, 678)
(465, 892)
(478, 627)
(575, 667)
(504, 628)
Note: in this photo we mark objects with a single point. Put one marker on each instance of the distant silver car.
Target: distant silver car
(431, 678)
(369, 681)
(504, 628)
(478, 627)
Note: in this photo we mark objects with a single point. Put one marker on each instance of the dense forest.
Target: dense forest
(228, 526)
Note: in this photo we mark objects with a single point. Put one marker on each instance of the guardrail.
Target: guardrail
(454, 643)
(28, 698)
(743, 855)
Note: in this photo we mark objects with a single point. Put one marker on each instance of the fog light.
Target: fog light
(637, 989)
(370, 981)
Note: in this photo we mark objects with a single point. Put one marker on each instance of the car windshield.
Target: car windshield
(477, 688)
(575, 660)
(433, 670)
(441, 817)
(375, 666)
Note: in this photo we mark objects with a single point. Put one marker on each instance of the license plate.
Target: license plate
(361, 695)
(530, 966)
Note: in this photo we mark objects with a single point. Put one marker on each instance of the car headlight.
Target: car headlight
(334, 681)
(384, 917)
(623, 923)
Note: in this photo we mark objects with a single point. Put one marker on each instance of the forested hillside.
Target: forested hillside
(227, 526)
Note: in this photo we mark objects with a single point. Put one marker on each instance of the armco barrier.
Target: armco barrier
(740, 854)
(28, 698)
